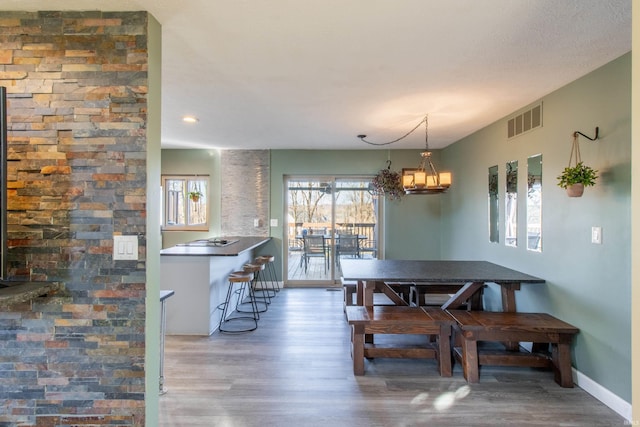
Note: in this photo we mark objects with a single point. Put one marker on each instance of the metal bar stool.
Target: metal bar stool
(258, 272)
(269, 274)
(272, 271)
(230, 323)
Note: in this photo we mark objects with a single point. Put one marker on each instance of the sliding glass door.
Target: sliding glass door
(329, 219)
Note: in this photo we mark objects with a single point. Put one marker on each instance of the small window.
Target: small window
(185, 202)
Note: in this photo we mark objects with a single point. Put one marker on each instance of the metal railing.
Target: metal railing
(367, 244)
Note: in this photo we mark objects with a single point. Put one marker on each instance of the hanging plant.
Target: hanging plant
(194, 196)
(387, 183)
(578, 174)
(575, 178)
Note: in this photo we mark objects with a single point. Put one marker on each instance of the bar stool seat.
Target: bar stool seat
(231, 321)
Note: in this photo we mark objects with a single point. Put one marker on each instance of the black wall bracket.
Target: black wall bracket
(576, 133)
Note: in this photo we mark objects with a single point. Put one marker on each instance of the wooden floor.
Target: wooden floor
(315, 268)
(295, 370)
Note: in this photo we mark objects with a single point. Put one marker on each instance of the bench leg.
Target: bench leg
(561, 357)
(357, 350)
(348, 292)
(444, 351)
(470, 360)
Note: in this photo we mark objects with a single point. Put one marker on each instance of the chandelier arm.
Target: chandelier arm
(362, 137)
(436, 178)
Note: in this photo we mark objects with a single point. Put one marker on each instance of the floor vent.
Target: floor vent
(525, 121)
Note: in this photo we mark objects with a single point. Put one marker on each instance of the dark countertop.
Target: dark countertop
(237, 245)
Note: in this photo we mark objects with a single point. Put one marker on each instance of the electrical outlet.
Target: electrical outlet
(256, 222)
(273, 222)
(596, 235)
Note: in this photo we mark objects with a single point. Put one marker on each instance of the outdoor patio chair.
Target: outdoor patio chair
(347, 245)
(315, 247)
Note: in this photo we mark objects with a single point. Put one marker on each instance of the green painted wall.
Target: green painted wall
(587, 285)
(152, 271)
(194, 162)
(635, 208)
(412, 225)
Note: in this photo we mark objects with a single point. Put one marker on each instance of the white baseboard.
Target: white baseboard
(622, 407)
(616, 403)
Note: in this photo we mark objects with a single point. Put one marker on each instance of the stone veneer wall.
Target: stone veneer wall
(77, 100)
(244, 194)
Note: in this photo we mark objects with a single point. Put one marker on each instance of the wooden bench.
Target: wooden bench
(538, 328)
(400, 320)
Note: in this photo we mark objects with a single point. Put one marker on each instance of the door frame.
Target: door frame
(333, 280)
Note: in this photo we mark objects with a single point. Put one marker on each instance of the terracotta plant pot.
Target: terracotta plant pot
(195, 199)
(575, 190)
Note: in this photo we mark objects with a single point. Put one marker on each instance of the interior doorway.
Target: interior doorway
(329, 218)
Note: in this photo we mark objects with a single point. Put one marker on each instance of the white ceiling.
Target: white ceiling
(314, 74)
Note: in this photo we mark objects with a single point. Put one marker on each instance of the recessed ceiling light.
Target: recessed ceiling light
(190, 119)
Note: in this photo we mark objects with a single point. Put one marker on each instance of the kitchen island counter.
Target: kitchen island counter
(219, 246)
(198, 271)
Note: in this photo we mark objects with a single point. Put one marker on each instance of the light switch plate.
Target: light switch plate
(273, 222)
(125, 248)
(596, 235)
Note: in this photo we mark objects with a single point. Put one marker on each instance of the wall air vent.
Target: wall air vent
(525, 121)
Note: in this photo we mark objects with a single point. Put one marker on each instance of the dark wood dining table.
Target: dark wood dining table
(372, 274)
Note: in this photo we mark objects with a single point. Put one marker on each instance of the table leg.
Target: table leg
(462, 295)
(367, 300)
(369, 287)
(360, 292)
(390, 293)
(508, 291)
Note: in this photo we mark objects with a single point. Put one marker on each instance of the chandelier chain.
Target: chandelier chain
(424, 120)
(426, 132)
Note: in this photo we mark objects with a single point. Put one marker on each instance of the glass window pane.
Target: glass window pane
(511, 205)
(534, 203)
(494, 201)
(186, 203)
